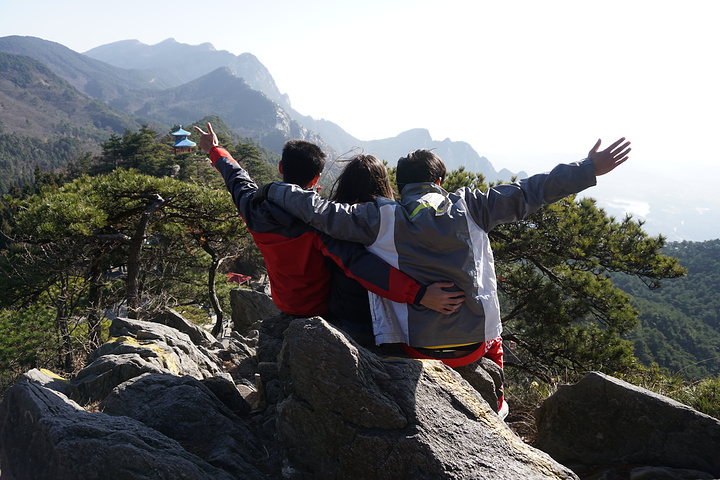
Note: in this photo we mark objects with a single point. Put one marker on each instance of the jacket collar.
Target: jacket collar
(416, 197)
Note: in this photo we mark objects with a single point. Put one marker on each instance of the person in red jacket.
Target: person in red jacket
(295, 253)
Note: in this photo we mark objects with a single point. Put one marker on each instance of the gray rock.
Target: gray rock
(249, 308)
(139, 347)
(198, 335)
(486, 377)
(186, 410)
(239, 356)
(605, 421)
(47, 379)
(272, 335)
(97, 380)
(43, 434)
(349, 414)
(185, 358)
(228, 394)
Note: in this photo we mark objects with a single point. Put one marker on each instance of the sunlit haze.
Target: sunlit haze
(527, 84)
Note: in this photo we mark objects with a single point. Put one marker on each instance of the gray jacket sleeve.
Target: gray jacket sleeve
(515, 201)
(356, 223)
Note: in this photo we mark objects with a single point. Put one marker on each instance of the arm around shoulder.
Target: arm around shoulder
(356, 223)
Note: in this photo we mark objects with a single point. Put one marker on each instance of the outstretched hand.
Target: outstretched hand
(208, 140)
(606, 160)
(441, 300)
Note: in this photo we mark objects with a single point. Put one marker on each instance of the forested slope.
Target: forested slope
(680, 322)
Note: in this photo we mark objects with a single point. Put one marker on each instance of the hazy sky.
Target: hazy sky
(526, 83)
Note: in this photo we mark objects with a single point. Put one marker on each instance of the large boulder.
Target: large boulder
(137, 347)
(349, 414)
(249, 309)
(605, 421)
(43, 434)
(486, 377)
(186, 410)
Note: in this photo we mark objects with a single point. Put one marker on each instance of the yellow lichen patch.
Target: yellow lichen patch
(124, 339)
(483, 413)
(442, 374)
(166, 358)
(53, 375)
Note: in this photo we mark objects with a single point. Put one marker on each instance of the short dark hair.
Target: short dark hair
(363, 179)
(418, 167)
(301, 162)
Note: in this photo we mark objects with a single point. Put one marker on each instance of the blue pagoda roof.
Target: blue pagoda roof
(180, 132)
(185, 143)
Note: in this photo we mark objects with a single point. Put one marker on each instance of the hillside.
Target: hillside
(45, 121)
(247, 111)
(179, 62)
(680, 322)
(146, 79)
(97, 79)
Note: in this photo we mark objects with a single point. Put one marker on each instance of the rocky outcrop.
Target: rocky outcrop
(604, 421)
(299, 399)
(349, 414)
(198, 335)
(137, 347)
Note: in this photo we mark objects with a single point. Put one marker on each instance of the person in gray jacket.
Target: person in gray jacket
(433, 234)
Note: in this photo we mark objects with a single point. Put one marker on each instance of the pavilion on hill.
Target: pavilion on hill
(181, 141)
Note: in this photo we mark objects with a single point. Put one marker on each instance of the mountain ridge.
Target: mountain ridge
(162, 98)
(181, 63)
(678, 218)
(134, 54)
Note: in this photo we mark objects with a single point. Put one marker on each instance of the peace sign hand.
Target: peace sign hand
(208, 140)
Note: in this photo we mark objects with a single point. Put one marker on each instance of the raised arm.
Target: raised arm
(515, 201)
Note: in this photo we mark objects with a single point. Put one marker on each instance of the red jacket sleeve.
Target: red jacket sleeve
(371, 271)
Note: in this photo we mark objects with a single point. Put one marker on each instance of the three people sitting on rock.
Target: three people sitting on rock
(431, 235)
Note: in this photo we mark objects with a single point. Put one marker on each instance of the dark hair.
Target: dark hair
(363, 179)
(418, 167)
(301, 162)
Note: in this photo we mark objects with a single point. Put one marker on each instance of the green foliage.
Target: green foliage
(559, 305)
(27, 340)
(134, 150)
(250, 158)
(20, 156)
(171, 235)
(680, 322)
(75, 230)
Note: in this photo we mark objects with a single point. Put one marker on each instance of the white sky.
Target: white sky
(527, 83)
